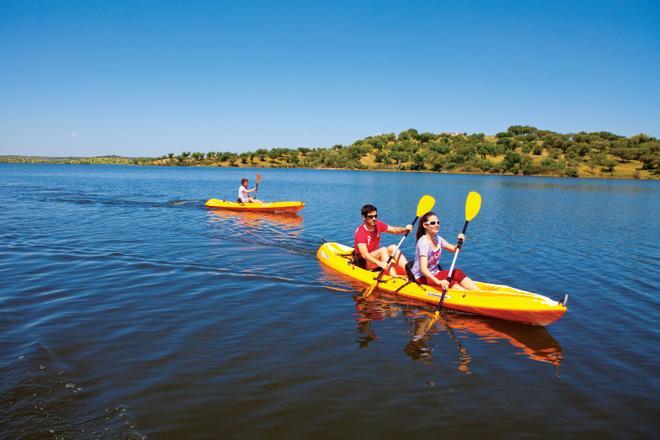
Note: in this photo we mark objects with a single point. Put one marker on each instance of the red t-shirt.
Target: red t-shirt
(370, 238)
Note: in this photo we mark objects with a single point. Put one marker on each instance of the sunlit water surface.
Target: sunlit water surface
(127, 309)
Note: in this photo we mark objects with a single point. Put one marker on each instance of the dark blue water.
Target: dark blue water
(127, 309)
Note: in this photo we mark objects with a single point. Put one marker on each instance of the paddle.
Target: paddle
(258, 181)
(424, 205)
(472, 206)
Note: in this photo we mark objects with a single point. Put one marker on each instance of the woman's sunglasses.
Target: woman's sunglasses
(432, 223)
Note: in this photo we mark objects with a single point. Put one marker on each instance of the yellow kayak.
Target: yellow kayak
(492, 300)
(256, 207)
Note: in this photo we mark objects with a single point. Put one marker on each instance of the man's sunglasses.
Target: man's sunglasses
(371, 216)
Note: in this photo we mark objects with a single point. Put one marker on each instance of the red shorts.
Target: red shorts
(456, 277)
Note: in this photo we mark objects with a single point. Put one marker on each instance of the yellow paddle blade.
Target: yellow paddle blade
(426, 203)
(258, 178)
(472, 205)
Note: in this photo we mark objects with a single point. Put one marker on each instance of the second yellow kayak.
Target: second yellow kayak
(255, 207)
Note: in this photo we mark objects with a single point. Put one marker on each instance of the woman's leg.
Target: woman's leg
(463, 280)
(469, 284)
(457, 280)
(455, 285)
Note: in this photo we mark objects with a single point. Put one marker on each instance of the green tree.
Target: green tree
(521, 130)
(511, 159)
(417, 162)
(609, 165)
(651, 162)
(409, 135)
(486, 148)
(439, 147)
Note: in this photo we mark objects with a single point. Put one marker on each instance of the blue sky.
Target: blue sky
(152, 77)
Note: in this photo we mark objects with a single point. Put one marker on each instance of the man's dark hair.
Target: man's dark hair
(366, 209)
(243, 180)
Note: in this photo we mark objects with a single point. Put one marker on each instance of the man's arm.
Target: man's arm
(398, 229)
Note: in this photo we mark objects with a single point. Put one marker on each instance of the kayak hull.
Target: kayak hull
(492, 300)
(255, 207)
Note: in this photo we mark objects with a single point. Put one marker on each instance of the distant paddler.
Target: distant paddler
(244, 193)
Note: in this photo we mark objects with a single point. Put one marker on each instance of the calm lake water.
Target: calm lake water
(127, 309)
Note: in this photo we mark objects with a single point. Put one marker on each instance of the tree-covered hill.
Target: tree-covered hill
(520, 149)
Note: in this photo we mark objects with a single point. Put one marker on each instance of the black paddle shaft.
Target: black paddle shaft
(460, 242)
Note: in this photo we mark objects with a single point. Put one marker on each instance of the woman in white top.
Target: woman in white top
(427, 256)
(244, 193)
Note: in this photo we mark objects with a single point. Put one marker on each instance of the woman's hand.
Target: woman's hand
(461, 237)
(443, 283)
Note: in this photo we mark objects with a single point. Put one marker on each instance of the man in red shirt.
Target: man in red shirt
(367, 251)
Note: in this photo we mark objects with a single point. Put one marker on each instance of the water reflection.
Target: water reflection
(424, 325)
(535, 343)
(284, 225)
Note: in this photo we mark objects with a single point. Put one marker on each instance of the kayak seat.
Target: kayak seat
(357, 261)
(409, 274)
(411, 277)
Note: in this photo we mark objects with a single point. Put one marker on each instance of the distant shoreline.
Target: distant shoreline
(129, 162)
